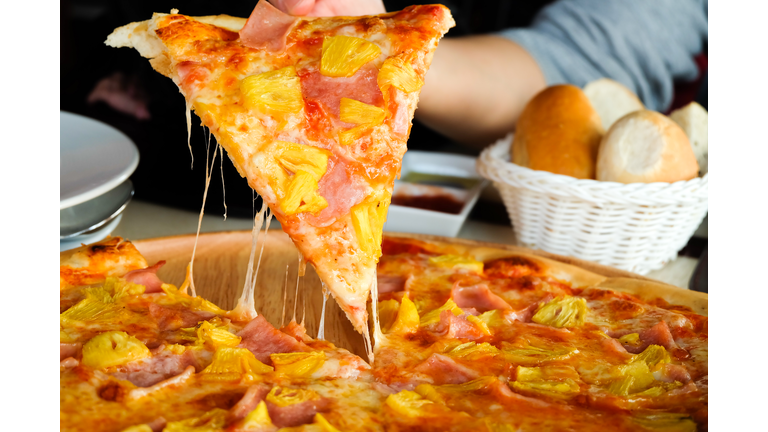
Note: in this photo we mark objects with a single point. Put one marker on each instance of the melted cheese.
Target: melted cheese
(245, 308)
(200, 218)
(285, 297)
(189, 135)
(221, 167)
(321, 326)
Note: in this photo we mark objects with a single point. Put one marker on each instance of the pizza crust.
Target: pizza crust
(579, 273)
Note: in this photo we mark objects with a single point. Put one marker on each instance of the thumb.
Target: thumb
(294, 7)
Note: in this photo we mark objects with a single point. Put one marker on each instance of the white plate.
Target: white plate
(89, 238)
(95, 158)
(421, 221)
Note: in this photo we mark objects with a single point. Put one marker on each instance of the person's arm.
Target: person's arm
(477, 87)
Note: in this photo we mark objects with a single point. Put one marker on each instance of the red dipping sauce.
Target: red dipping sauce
(440, 203)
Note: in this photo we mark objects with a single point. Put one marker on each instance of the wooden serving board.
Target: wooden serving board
(221, 262)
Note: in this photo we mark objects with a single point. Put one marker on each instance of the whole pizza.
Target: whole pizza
(472, 338)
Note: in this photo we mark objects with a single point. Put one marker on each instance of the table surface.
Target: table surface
(143, 220)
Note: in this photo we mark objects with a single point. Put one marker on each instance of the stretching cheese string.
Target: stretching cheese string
(245, 308)
(200, 218)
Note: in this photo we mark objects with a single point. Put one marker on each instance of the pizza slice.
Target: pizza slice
(314, 112)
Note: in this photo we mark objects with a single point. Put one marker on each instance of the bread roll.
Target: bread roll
(692, 118)
(646, 147)
(558, 131)
(611, 100)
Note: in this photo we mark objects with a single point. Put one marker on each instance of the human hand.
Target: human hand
(319, 8)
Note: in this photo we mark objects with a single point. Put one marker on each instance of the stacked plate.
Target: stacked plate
(96, 161)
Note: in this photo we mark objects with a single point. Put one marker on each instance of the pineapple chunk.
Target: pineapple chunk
(274, 92)
(493, 318)
(457, 262)
(295, 174)
(233, 364)
(433, 316)
(562, 312)
(215, 337)
(630, 339)
(349, 136)
(439, 393)
(479, 324)
(368, 220)
(474, 351)
(298, 364)
(407, 403)
(555, 381)
(284, 397)
(174, 295)
(344, 55)
(527, 354)
(213, 420)
(397, 72)
(325, 424)
(296, 157)
(113, 348)
(121, 288)
(653, 355)
(407, 320)
(636, 377)
(352, 111)
(258, 419)
(301, 195)
(98, 306)
(362, 224)
(388, 313)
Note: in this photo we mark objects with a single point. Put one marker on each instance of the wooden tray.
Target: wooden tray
(221, 262)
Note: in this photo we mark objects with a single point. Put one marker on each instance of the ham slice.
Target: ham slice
(502, 391)
(262, 339)
(267, 27)
(69, 350)
(297, 331)
(672, 372)
(147, 277)
(168, 384)
(478, 297)
(296, 414)
(613, 345)
(172, 318)
(69, 362)
(387, 284)
(525, 315)
(362, 87)
(453, 326)
(150, 371)
(341, 189)
(445, 370)
(249, 401)
(659, 335)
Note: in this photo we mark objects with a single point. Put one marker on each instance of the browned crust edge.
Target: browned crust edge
(579, 273)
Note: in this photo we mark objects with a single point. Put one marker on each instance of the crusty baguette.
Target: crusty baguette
(646, 147)
(692, 118)
(611, 100)
(559, 132)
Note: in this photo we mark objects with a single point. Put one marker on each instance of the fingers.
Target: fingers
(294, 7)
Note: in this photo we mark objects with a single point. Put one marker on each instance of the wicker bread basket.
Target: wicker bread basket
(636, 227)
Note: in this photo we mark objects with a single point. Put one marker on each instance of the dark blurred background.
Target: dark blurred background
(164, 175)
